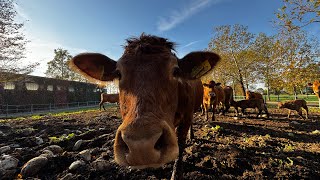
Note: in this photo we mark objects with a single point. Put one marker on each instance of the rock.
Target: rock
(4, 149)
(7, 174)
(75, 165)
(291, 134)
(39, 140)
(101, 165)
(55, 149)
(47, 153)
(8, 162)
(2, 134)
(33, 166)
(68, 176)
(85, 154)
(77, 145)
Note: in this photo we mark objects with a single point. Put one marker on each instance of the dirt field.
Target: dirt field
(230, 148)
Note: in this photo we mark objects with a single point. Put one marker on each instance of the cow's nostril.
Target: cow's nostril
(160, 144)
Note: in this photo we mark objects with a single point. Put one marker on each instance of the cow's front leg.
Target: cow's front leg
(182, 131)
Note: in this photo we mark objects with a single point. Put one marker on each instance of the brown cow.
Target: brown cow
(316, 89)
(250, 103)
(253, 95)
(295, 105)
(213, 97)
(110, 98)
(228, 93)
(158, 95)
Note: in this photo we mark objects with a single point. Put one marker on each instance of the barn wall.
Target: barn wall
(63, 92)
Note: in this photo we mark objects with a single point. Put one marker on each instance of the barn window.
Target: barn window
(32, 86)
(9, 85)
(71, 89)
(50, 88)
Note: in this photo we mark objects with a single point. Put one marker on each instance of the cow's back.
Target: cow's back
(220, 96)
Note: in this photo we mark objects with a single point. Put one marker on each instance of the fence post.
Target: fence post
(31, 107)
(278, 98)
(50, 107)
(87, 103)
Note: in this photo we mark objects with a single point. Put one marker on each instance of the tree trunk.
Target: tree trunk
(295, 93)
(242, 84)
(268, 91)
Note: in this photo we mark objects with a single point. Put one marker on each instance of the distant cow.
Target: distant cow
(213, 97)
(250, 103)
(158, 95)
(110, 98)
(253, 95)
(296, 105)
(316, 89)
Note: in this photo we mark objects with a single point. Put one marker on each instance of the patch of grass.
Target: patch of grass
(288, 148)
(64, 137)
(36, 117)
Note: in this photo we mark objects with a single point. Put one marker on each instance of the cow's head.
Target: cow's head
(210, 89)
(316, 88)
(149, 75)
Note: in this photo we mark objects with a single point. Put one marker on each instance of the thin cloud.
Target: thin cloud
(178, 16)
(189, 44)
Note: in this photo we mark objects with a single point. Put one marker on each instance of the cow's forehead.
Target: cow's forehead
(159, 59)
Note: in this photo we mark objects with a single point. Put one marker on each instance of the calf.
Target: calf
(296, 105)
(250, 103)
(213, 96)
(316, 89)
(111, 98)
(158, 94)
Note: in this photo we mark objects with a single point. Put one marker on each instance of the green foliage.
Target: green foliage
(58, 67)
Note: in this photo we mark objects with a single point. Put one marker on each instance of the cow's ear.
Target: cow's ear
(94, 66)
(197, 64)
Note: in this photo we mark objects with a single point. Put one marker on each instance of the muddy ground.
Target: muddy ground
(229, 148)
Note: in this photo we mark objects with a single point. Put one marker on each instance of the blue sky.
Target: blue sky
(102, 26)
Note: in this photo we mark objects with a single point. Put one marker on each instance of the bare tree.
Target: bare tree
(12, 44)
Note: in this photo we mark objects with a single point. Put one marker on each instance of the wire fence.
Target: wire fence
(8, 110)
(312, 100)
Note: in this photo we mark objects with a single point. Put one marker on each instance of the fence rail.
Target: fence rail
(6, 110)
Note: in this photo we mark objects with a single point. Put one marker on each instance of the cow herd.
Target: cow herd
(158, 94)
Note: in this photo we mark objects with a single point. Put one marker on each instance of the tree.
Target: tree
(268, 54)
(12, 44)
(58, 67)
(232, 43)
(296, 14)
(299, 62)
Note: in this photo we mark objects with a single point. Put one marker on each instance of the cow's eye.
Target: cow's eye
(117, 74)
(177, 72)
